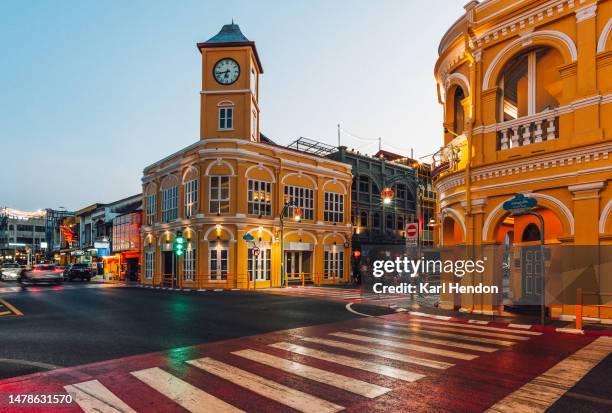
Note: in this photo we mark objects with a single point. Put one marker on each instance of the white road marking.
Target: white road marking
(470, 329)
(349, 307)
(408, 346)
(377, 368)
(419, 330)
(449, 343)
(350, 384)
(540, 393)
(380, 353)
(475, 327)
(285, 395)
(93, 397)
(482, 322)
(184, 394)
(524, 326)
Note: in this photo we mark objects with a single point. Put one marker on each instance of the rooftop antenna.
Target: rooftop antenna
(379, 144)
(338, 135)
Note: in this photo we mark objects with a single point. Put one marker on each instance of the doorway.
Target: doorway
(169, 269)
(296, 263)
(531, 258)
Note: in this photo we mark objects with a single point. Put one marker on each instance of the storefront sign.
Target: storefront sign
(520, 203)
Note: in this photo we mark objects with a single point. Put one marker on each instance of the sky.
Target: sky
(91, 92)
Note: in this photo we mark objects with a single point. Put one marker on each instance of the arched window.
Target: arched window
(363, 219)
(191, 191)
(459, 114)
(169, 192)
(530, 83)
(531, 233)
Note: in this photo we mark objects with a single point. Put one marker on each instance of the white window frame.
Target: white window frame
(254, 126)
(226, 117)
(333, 207)
(191, 197)
(333, 262)
(216, 198)
(262, 261)
(149, 263)
(189, 262)
(216, 248)
(302, 197)
(170, 204)
(259, 207)
(151, 208)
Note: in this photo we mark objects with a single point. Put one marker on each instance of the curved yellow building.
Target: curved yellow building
(234, 182)
(526, 88)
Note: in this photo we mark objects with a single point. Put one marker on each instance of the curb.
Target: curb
(187, 290)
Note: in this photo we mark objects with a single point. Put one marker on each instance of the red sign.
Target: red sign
(412, 230)
(255, 251)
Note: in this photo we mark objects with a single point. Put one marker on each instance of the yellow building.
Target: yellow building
(234, 182)
(526, 88)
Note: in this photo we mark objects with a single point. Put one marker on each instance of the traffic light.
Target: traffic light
(179, 244)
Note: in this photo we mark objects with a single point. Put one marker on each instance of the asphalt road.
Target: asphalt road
(74, 324)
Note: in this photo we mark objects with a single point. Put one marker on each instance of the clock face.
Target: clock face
(226, 71)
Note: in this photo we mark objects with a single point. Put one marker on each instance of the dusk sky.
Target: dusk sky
(93, 91)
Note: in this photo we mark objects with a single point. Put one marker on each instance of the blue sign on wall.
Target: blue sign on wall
(520, 202)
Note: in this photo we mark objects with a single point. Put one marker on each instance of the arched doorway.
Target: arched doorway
(451, 232)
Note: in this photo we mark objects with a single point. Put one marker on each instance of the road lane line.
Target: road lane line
(187, 396)
(377, 368)
(540, 393)
(450, 343)
(452, 335)
(11, 307)
(5, 313)
(474, 327)
(380, 353)
(350, 384)
(408, 346)
(293, 398)
(93, 397)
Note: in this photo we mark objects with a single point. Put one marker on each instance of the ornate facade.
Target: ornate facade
(234, 182)
(526, 88)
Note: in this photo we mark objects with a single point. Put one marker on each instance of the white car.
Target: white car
(10, 271)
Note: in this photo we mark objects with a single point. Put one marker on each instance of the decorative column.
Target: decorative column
(586, 209)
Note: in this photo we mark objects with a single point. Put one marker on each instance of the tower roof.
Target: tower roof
(231, 35)
(228, 33)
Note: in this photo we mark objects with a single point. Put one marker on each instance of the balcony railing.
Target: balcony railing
(528, 130)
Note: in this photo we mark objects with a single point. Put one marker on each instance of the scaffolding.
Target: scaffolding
(311, 146)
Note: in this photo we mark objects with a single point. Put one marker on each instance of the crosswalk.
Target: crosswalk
(337, 294)
(338, 369)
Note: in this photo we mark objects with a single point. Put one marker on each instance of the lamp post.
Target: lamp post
(297, 215)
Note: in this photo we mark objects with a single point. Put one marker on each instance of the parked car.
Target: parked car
(80, 271)
(10, 271)
(41, 274)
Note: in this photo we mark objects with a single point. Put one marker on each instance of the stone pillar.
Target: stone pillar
(586, 211)
(240, 258)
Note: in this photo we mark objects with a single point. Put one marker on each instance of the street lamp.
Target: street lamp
(387, 195)
(297, 216)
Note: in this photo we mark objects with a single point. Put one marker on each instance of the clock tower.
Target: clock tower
(230, 86)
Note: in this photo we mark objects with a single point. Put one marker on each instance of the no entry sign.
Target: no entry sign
(412, 231)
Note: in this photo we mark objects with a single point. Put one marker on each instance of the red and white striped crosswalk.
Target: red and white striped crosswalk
(373, 364)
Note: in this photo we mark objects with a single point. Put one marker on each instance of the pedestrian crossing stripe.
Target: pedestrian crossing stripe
(377, 368)
(540, 393)
(184, 394)
(407, 346)
(420, 330)
(471, 327)
(448, 343)
(293, 398)
(380, 353)
(92, 396)
(336, 380)
(475, 329)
